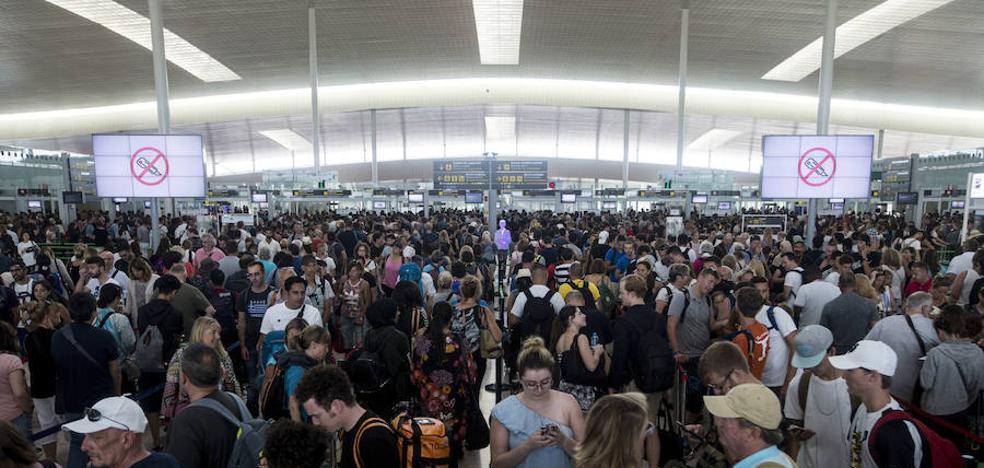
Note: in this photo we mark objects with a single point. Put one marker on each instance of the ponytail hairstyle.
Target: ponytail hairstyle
(441, 316)
(471, 287)
(293, 343)
(534, 356)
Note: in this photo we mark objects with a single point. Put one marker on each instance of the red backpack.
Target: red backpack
(942, 452)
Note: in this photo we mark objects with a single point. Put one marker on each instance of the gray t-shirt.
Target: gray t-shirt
(693, 333)
(895, 332)
(847, 318)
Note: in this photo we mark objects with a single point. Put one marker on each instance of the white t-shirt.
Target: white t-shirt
(94, 286)
(537, 290)
(914, 243)
(812, 297)
(428, 283)
(27, 257)
(793, 280)
(23, 291)
(277, 317)
(662, 271)
(960, 263)
(121, 279)
(863, 423)
(828, 414)
(777, 361)
(968, 283)
(833, 278)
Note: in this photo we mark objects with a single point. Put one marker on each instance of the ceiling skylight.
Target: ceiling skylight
(857, 31)
(712, 139)
(289, 139)
(136, 27)
(499, 25)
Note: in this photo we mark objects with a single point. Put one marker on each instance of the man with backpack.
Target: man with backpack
(642, 354)
(882, 434)
(204, 433)
(576, 282)
(328, 398)
(675, 289)
(160, 327)
(753, 337)
(534, 310)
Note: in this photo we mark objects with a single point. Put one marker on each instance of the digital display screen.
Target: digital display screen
(415, 197)
(698, 199)
(34, 204)
(907, 198)
(473, 197)
(957, 204)
(148, 205)
(724, 205)
(837, 206)
(674, 212)
(72, 198)
(977, 186)
(568, 198)
(836, 200)
(149, 165)
(258, 197)
(806, 166)
(120, 199)
(609, 205)
(379, 205)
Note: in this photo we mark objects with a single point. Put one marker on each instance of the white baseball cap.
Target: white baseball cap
(113, 412)
(868, 354)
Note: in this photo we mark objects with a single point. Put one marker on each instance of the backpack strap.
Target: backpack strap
(686, 304)
(221, 409)
(88, 357)
(105, 319)
(890, 416)
(803, 391)
(912, 326)
(550, 293)
(771, 314)
(367, 424)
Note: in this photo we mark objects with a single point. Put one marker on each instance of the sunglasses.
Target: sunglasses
(93, 415)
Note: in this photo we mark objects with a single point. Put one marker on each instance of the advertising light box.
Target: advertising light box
(798, 166)
(977, 186)
(149, 165)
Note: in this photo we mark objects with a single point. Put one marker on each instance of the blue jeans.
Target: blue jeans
(76, 457)
(23, 424)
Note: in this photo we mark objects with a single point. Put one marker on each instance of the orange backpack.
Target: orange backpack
(422, 442)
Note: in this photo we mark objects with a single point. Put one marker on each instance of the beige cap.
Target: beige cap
(752, 402)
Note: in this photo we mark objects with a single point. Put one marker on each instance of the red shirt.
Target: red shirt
(914, 287)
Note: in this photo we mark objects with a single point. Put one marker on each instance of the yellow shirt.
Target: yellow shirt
(579, 283)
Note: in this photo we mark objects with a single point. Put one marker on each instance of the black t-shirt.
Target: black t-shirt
(38, 347)
(200, 437)
(550, 254)
(377, 446)
(599, 251)
(80, 383)
(597, 323)
(254, 304)
(157, 460)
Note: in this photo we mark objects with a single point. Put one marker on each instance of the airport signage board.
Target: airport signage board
(758, 223)
(147, 165)
(247, 219)
(977, 185)
(474, 175)
(805, 166)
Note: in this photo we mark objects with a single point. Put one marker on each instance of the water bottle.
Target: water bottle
(594, 339)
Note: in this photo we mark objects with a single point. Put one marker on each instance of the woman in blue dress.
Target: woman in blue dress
(540, 427)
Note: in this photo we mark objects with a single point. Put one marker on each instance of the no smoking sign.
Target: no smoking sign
(149, 166)
(817, 166)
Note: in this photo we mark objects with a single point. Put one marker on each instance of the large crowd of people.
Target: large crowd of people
(624, 345)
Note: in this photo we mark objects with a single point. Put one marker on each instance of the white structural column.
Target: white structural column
(375, 162)
(315, 115)
(823, 107)
(682, 82)
(625, 149)
(163, 108)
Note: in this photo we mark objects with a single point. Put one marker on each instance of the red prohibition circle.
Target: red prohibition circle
(160, 155)
(806, 178)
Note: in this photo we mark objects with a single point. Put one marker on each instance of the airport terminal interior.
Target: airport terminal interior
(583, 202)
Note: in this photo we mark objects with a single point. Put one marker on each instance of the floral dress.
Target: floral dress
(442, 381)
(176, 397)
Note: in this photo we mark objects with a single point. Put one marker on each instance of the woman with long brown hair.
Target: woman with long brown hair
(618, 433)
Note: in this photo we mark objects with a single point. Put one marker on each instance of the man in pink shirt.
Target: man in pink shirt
(208, 250)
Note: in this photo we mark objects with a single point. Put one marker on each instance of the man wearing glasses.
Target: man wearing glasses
(113, 430)
(250, 308)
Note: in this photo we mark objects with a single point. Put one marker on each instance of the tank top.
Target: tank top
(351, 297)
(391, 272)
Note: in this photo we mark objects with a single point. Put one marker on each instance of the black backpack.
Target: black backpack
(538, 317)
(367, 370)
(669, 300)
(225, 309)
(654, 364)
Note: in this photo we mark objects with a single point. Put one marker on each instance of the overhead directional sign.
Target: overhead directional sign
(474, 175)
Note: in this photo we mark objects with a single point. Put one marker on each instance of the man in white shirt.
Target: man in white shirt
(676, 289)
(899, 333)
(782, 333)
(964, 261)
(93, 276)
(820, 411)
(538, 289)
(115, 274)
(868, 368)
(793, 279)
(278, 315)
(842, 264)
(812, 296)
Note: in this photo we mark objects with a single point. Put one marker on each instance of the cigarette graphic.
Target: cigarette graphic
(143, 163)
(812, 165)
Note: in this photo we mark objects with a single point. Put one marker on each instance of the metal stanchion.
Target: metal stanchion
(499, 385)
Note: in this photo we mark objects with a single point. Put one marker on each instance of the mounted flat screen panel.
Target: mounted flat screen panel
(414, 197)
(149, 165)
(72, 198)
(837, 206)
(119, 200)
(803, 166)
(148, 205)
(836, 200)
(977, 186)
(609, 205)
(34, 204)
(698, 198)
(568, 198)
(957, 205)
(724, 205)
(258, 197)
(907, 198)
(473, 197)
(378, 205)
(674, 212)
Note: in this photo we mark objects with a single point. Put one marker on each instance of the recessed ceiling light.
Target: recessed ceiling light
(712, 139)
(289, 139)
(136, 27)
(499, 25)
(857, 31)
